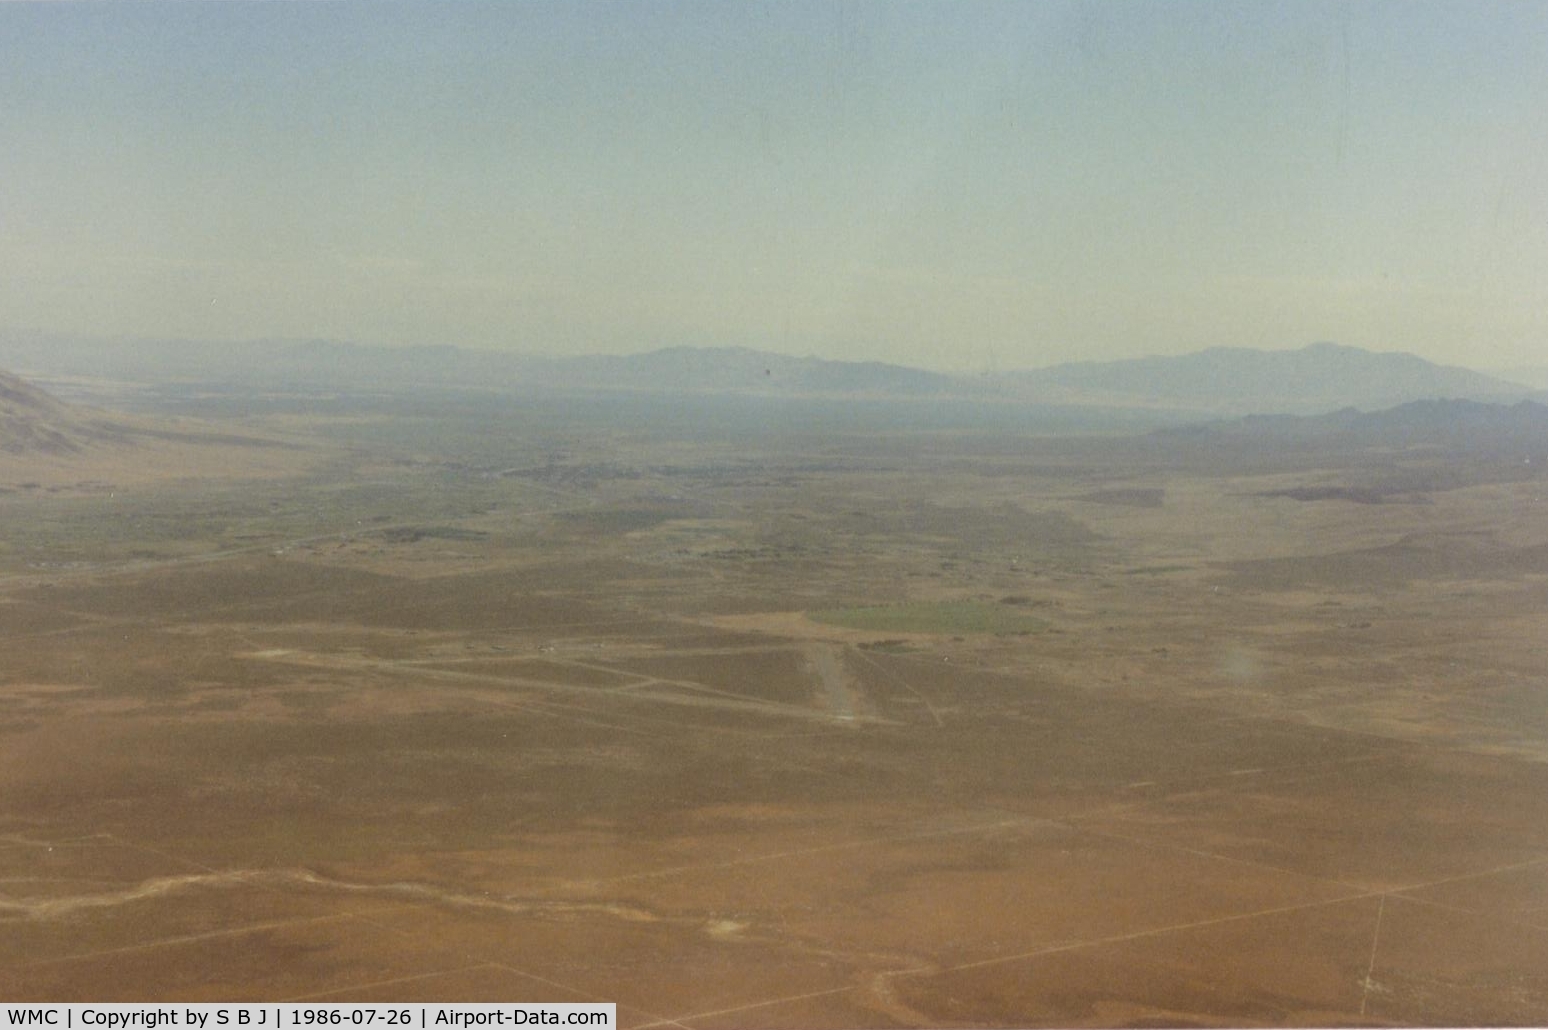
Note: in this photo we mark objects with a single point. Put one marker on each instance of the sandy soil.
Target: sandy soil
(1272, 761)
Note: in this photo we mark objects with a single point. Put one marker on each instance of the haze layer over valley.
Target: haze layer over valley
(1314, 379)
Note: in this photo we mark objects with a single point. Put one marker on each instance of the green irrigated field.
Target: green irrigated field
(932, 617)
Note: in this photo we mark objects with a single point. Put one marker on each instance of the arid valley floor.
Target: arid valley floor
(768, 724)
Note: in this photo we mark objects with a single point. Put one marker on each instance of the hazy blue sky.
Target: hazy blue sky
(946, 185)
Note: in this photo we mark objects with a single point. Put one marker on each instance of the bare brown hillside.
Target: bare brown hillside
(46, 441)
(35, 422)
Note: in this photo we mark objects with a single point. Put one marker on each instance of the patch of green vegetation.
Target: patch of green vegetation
(933, 617)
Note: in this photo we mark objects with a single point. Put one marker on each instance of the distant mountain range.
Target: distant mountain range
(1452, 423)
(1535, 376)
(737, 369)
(1221, 381)
(1232, 380)
(330, 365)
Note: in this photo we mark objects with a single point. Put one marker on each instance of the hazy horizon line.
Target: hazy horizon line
(985, 364)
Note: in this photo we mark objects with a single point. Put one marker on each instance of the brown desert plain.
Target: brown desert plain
(774, 727)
